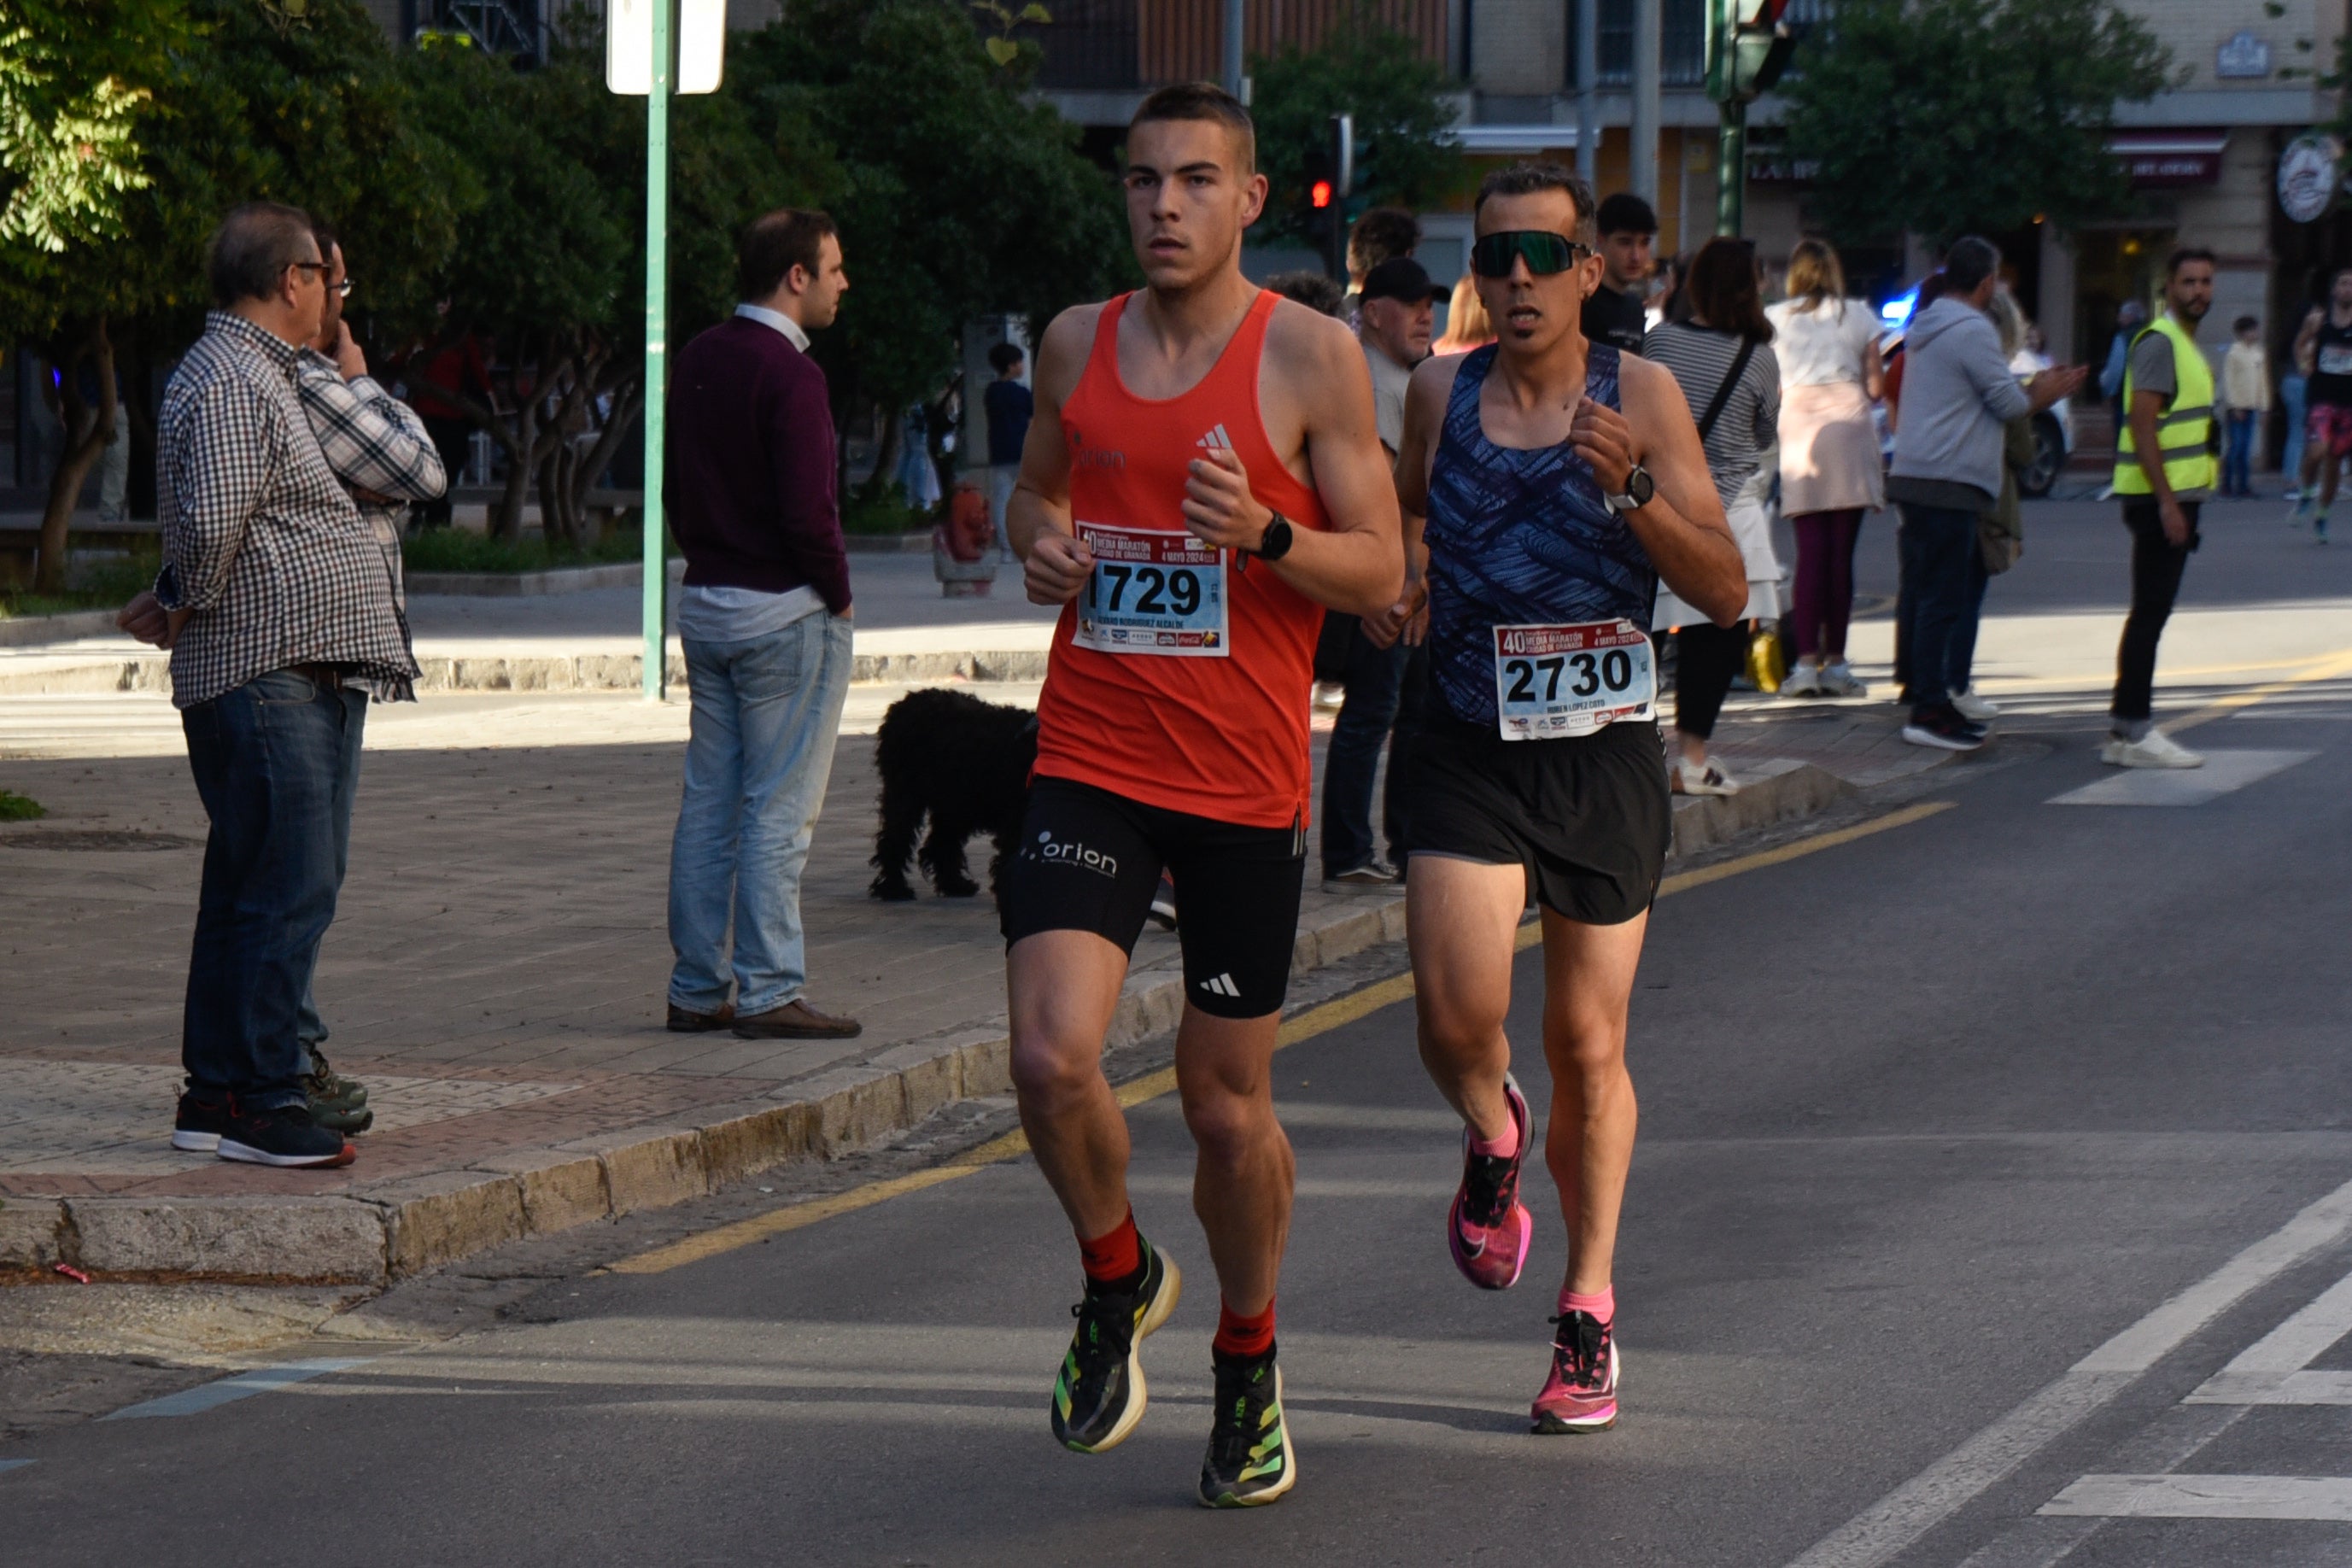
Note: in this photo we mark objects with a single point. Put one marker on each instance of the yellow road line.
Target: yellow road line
(2221, 708)
(1320, 1019)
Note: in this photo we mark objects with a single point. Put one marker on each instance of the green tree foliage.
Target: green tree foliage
(75, 79)
(1944, 117)
(245, 102)
(1404, 150)
(956, 197)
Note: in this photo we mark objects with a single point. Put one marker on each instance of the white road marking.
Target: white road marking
(7, 1464)
(1884, 1530)
(2207, 1496)
(2224, 773)
(244, 1385)
(2271, 1370)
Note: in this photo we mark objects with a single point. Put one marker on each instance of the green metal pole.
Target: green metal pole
(1732, 169)
(656, 660)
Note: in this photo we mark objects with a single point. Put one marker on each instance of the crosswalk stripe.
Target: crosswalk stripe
(2224, 772)
(2207, 1496)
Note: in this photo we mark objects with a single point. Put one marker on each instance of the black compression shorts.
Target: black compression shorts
(1589, 816)
(1091, 860)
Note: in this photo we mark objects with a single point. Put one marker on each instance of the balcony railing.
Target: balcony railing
(1144, 44)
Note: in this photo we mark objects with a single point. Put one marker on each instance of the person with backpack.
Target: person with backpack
(1722, 359)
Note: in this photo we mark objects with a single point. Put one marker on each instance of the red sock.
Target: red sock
(1117, 1255)
(1239, 1336)
(1601, 1304)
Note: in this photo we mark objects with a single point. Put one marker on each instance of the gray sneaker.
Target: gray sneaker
(1372, 876)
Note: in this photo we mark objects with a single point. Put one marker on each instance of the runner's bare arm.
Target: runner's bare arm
(1683, 529)
(1356, 565)
(2305, 338)
(1037, 514)
(1425, 414)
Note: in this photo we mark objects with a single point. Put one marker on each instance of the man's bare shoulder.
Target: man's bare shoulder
(1434, 375)
(1641, 384)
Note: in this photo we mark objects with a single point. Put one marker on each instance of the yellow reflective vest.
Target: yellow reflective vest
(2184, 432)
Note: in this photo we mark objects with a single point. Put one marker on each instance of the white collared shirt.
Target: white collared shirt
(778, 319)
(735, 614)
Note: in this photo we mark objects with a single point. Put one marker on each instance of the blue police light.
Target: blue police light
(1897, 311)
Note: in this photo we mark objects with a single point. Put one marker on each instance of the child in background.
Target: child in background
(2246, 397)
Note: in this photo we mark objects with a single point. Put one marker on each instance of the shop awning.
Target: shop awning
(2158, 158)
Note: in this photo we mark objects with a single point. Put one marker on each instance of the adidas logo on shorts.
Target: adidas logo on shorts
(1222, 985)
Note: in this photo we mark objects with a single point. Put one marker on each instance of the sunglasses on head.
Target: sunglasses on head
(1544, 253)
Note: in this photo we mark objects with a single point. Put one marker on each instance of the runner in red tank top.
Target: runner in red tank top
(1202, 477)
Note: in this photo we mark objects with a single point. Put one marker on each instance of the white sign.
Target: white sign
(700, 31)
(2306, 175)
(2243, 55)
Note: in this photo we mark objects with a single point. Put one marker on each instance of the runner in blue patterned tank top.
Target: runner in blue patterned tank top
(1548, 485)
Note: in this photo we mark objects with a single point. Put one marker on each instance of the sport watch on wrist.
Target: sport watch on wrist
(1638, 490)
(1274, 544)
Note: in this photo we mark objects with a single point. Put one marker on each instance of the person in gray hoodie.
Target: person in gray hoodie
(1958, 393)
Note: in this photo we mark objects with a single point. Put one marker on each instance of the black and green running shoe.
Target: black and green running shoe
(1099, 1396)
(337, 1102)
(1250, 1462)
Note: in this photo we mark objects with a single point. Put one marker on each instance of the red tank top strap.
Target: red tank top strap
(1102, 359)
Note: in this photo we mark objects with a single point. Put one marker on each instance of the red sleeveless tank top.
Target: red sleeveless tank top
(1223, 738)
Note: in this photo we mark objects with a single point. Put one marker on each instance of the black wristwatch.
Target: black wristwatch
(1639, 489)
(1274, 542)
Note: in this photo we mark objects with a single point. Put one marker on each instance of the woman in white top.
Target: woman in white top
(1830, 468)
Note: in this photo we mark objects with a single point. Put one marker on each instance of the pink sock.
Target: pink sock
(1501, 1148)
(1601, 1303)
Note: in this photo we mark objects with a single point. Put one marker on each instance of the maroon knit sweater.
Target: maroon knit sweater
(749, 484)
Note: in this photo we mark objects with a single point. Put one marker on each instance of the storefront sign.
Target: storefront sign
(2167, 158)
(2243, 55)
(2307, 177)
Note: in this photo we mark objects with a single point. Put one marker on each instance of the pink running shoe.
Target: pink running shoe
(1581, 1394)
(1489, 1229)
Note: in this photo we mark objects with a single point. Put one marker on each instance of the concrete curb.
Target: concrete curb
(535, 585)
(535, 672)
(28, 630)
(399, 1227)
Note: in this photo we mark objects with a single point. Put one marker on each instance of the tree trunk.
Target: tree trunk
(886, 461)
(87, 432)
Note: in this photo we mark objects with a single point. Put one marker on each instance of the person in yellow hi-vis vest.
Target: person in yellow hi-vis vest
(2165, 468)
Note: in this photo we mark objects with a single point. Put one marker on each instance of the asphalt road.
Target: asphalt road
(1983, 1159)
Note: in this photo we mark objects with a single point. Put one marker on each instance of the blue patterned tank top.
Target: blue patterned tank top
(1518, 537)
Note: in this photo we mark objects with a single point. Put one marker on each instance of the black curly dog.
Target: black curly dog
(962, 762)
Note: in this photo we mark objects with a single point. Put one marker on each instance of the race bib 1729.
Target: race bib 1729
(1551, 681)
(1152, 591)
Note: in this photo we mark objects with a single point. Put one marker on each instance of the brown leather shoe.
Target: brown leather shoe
(796, 1020)
(683, 1022)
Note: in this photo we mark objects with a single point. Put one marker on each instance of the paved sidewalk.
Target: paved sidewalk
(497, 974)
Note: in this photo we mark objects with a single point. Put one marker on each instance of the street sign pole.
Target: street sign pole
(1732, 169)
(657, 658)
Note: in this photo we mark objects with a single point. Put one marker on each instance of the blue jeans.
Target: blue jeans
(766, 711)
(1374, 680)
(276, 763)
(2291, 397)
(1936, 543)
(2238, 453)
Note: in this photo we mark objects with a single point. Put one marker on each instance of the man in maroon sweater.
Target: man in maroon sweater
(765, 623)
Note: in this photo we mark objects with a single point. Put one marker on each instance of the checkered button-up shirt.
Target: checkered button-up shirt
(260, 540)
(375, 443)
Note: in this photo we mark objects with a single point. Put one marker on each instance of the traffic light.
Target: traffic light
(1747, 46)
(1330, 175)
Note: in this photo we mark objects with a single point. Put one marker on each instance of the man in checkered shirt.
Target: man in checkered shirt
(283, 614)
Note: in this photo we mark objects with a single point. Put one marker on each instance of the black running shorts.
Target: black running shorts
(1589, 816)
(1091, 860)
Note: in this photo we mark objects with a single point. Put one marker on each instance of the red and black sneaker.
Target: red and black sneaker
(280, 1136)
(1489, 1229)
